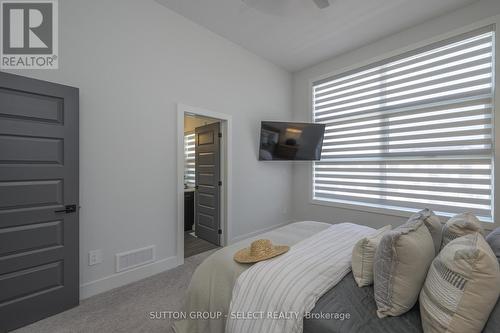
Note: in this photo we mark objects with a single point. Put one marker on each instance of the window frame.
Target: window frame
(398, 53)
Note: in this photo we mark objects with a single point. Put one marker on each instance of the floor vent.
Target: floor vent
(131, 259)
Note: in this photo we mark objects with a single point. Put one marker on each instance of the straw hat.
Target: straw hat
(259, 250)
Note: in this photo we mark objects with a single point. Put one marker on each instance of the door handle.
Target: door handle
(67, 209)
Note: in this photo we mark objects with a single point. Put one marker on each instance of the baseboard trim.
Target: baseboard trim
(255, 233)
(113, 281)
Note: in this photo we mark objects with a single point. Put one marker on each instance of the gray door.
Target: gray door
(38, 200)
(207, 175)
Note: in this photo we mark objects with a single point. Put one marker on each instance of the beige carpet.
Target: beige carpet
(126, 309)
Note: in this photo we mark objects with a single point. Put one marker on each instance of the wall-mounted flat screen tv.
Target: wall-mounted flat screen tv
(285, 141)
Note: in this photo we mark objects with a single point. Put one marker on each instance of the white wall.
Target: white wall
(405, 40)
(133, 61)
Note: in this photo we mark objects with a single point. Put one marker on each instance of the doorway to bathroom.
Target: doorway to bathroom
(204, 185)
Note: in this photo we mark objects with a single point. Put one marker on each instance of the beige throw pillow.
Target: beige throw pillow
(363, 255)
(460, 225)
(461, 288)
(433, 224)
(401, 262)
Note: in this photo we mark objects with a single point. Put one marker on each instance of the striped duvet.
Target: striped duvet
(274, 295)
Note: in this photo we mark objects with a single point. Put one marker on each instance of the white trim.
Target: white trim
(257, 232)
(382, 211)
(116, 280)
(496, 122)
(226, 173)
(496, 127)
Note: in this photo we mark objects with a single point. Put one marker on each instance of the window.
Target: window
(412, 131)
(189, 161)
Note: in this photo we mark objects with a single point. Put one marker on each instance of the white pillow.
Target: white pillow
(363, 255)
(400, 267)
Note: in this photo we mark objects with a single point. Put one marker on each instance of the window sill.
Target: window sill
(487, 226)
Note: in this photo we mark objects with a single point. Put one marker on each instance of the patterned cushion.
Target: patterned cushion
(460, 225)
(363, 255)
(494, 240)
(401, 262)
(461, 288)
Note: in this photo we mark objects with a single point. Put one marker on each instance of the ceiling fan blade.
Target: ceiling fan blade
(322, 3)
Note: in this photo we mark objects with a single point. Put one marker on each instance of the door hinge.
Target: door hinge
(196, 187)
(220, 231)
(220, 183)
(220, 135)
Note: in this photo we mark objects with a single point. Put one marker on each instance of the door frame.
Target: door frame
(226, 173)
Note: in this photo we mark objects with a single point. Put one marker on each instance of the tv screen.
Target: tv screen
(287, 141)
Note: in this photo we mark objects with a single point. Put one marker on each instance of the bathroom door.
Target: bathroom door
(208, 184)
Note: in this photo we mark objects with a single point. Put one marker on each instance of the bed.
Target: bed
(347, 297)
(212, 284)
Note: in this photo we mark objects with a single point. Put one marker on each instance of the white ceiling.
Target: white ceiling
(295, 34)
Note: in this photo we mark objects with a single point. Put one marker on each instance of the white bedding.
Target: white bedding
(212, 283)
(274, 295)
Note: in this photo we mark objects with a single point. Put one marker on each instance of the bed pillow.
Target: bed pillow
(493, 240)
(435, 227)
(401, 262)
(363, 255)
(461, 288)
(460, 225)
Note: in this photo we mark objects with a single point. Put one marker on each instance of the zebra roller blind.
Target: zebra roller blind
(189, 162)
(412, 131)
